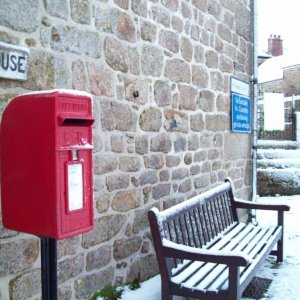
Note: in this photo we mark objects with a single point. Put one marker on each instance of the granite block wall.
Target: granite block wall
(159, 73)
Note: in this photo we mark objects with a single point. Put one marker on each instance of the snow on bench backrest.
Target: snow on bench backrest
(197, 221)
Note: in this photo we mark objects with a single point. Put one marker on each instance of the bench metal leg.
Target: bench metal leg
(280, 242)
(234, 283)
(280, 250)
(165, 295)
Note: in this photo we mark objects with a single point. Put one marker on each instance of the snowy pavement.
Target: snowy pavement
(285, 276)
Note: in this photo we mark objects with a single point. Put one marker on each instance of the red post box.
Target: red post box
(46, 164)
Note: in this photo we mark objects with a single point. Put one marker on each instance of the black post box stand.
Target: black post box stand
(49, 268)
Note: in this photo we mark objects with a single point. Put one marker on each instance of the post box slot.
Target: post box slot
(76, 122)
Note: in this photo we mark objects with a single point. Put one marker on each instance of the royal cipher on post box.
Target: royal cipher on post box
(46, 164)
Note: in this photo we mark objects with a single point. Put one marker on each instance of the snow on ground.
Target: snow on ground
(275, 144)
(285, 276)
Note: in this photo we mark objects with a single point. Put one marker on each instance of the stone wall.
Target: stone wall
(159, 72)
(291, 80)
(289, 84)
(274, 86)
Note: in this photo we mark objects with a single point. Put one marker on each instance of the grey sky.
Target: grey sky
(279, 17)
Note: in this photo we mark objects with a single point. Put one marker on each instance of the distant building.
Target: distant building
(274, 49)
(275, 45)
(263, 56)
(281, 72)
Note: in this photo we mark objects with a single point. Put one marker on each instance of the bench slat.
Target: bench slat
(257, 242)
(226, 237)
(196, 234)
(249, 234)
(260, 257)
(210, 277)
(212, 220)
(220, 218)
(233, 241)
(203, 277)
(247, 241)
(203, 272)
(264, 236)
(227, 242)
(217, 278)
(222, 241)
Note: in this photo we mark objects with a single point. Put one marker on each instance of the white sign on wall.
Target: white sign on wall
(239, 86)
(75, 186)
(273, 111)
(13, 62)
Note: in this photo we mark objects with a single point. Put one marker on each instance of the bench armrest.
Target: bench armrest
(260, 205)
(234, 258)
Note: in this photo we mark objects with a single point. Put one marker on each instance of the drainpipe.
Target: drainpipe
(254, 87)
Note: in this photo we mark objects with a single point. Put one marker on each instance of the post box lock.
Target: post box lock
(46, 164)
(75, 154)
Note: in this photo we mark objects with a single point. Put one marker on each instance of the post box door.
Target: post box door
(74, 146)
(76, 191)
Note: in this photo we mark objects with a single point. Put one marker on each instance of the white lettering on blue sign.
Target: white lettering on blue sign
(241, 113)
(13, 62)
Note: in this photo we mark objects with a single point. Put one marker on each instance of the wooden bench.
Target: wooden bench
(204, 252)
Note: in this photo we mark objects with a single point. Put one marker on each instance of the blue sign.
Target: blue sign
(241, 113)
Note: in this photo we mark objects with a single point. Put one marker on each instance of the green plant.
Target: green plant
(134, 285)
(110, 292)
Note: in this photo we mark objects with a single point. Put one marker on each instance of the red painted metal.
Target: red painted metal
(46, 164)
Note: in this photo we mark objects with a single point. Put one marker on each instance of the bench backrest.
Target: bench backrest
(194, 222)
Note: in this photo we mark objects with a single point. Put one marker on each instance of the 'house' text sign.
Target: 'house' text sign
(13, 62)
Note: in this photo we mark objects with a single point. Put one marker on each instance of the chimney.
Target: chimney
(275, 45)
